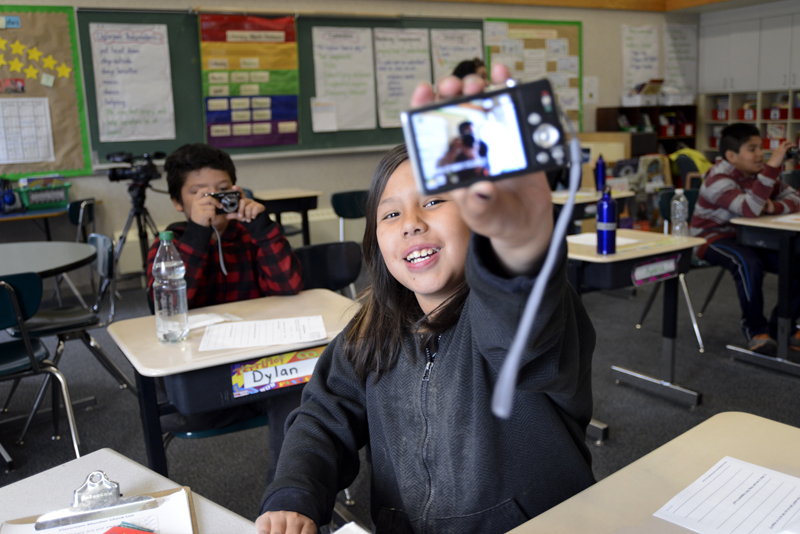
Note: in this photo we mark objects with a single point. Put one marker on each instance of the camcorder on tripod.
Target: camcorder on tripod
(140, 171)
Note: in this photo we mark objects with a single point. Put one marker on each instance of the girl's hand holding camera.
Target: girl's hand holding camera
(516, 214)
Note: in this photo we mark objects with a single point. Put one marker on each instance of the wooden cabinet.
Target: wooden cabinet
(729, 56)
(775, 53)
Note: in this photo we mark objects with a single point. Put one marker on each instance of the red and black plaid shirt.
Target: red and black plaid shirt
(257, 257)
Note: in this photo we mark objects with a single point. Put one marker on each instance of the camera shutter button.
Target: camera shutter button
(546, 135)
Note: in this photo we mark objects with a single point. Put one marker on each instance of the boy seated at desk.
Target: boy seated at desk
(740, 184)
(258, 260)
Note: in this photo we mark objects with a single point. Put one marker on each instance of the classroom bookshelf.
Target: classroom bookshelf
(753, 107)
(672, 140)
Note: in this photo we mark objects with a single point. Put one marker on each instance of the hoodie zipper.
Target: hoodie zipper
(424, 392)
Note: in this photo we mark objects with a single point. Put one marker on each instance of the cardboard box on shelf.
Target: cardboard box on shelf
(719, 114)
(775, 114)
(747, 114)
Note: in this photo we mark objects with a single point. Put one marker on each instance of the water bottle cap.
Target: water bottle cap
(165, 236)
(679, 191)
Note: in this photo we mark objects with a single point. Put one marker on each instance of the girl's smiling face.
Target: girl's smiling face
(422, 239)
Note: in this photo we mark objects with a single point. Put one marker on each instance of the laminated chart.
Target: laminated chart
(250, 80)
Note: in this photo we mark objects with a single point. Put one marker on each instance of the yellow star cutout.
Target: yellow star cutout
(34, 54)
(63, 71)
(17, 48)
(3, 61)
(31, 72)
(3, 43)
(49, 62)
(15, 65)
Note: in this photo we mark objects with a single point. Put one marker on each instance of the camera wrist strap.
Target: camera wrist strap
(219, 249)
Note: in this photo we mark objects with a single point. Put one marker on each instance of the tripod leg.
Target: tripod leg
(143, 244)
(122, 238)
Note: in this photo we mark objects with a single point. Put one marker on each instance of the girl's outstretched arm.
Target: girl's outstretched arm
(516, 214)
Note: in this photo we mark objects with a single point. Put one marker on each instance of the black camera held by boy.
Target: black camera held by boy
(141, 170)
(228, 199)
(793, 152)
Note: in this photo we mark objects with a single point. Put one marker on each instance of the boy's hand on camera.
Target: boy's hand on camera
(249, 209)
(285, 523)
(204, 208)
(515, 213)
(779, 155)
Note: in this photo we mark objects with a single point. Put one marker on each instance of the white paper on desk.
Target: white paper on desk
(206, 319)
(792, 218)
(590, 238)
(263, 333)
(172, 516)
(736, 496)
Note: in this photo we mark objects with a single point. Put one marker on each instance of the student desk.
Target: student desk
(151, 358)
(625, 501)
(278, 201)
(771, 233)
(45, 258)
(45, 215)
(52, 490)
(588, 270)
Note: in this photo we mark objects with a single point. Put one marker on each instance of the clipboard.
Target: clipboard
(98, 506)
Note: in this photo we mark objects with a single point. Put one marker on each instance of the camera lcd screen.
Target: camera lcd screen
(468, 141)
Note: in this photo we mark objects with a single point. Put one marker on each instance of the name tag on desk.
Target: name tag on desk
(655, 270)
(273, 372)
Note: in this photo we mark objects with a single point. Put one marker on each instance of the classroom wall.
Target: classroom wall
(602, 57)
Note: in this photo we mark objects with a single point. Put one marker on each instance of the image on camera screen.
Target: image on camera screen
(470, 141)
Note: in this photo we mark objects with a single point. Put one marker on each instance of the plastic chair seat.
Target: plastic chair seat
(59, 321)
(14, 356)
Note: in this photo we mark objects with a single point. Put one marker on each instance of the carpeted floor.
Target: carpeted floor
(230, 470)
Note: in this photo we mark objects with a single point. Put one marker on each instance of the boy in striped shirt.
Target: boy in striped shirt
(740, 184)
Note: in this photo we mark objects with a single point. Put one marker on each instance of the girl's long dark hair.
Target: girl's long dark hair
(376, 335)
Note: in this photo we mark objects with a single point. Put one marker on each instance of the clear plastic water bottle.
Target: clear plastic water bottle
(679, 214)
(169, 291)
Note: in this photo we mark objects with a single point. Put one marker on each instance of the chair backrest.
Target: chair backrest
(81, 214)
(104, 267)
(685, 165)
(350, 204)
(665, 198)
(26, 289)
(330, 265)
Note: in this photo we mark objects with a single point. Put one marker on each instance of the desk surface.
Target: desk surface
(33, 214)
(625, 501)
(769, 221)
(46, 258)
(647, 244)
(282, 194)
(52, 490)
(136, 338)
(587, 196)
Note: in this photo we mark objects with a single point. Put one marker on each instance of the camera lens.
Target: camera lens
(230, 203)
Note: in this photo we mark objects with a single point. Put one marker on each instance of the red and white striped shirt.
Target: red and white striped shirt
(727, 193)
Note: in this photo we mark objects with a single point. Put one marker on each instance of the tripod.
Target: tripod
(144, 221)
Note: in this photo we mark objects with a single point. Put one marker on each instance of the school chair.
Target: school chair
(333, 266)
(664, 201)
(349, 205)
(81, 215)
(20, 296)
(75, 322)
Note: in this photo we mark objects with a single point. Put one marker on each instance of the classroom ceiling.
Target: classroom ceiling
(682, 6)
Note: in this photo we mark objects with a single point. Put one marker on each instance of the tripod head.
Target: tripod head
(140, 171)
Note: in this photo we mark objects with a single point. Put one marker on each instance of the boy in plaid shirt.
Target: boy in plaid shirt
(258, 260)
(742, 184)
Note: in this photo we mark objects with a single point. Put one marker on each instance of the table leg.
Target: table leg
(47, 229)
(663, 386)
(306, 230)
(151, 424)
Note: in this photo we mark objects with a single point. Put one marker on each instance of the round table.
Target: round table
(45, 258)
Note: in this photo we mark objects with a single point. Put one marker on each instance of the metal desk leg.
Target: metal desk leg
(151, 424)
(47, 229)
(663, 386)
(306, 230)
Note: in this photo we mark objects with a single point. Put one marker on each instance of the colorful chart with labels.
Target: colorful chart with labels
(272, 372)
(250, 80)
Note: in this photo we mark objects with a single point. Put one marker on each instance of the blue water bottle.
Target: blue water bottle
(600, 173)
(607, 224)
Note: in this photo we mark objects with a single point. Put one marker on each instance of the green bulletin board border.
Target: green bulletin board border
(79, 94)
(577, 23)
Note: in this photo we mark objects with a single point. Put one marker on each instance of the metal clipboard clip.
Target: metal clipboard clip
(97, 498)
